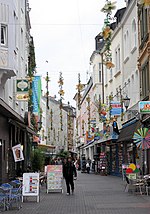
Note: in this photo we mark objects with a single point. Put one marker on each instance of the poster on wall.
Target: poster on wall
(30, 185)
(17, 153)
(54, 178)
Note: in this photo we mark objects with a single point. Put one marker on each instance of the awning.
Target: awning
(23, 126)
(128, 130)
(8, 112)
(45, 146)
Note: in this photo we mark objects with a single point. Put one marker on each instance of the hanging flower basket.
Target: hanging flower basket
(61, 92)
(109, 7)
(109, 64)
(106, 33)
(61, 82)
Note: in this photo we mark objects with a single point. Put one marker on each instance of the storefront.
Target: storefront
(146, 124)
(13, 131)
(126, 146)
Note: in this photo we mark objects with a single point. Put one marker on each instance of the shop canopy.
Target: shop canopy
(45, 146)
(128, 129)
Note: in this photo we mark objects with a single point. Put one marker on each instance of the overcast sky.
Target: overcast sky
(64, 35)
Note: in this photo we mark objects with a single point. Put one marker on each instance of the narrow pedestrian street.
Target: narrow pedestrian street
(94, 194)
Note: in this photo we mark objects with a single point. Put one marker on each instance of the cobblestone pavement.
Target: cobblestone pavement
(94, 194)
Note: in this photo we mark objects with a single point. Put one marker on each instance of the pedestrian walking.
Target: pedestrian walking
(88, 167)
(88, 164)
(69, 173)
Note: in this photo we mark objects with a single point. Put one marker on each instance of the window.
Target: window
(111, 73)
(145, 80)
(3, 35)
(143, 23)
(133, 34)
(125, 45)
(117, 53)
(100, 73)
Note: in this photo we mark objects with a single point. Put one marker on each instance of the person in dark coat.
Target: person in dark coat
(69, 172)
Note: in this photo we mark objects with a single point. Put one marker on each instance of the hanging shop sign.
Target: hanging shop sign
(17, 153)
(116, 108)
(22, 90)
(144, 107)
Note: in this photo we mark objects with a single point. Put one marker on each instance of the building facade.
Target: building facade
(14, 54)
(54, 132)
(144, 67)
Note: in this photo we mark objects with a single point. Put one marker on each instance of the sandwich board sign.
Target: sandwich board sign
(30, 185)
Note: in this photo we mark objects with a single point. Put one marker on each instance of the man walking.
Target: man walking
(69, 172)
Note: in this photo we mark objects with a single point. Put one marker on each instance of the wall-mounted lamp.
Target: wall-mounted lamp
(126, 102)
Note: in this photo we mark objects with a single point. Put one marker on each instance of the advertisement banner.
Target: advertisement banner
(22, 90)
(36, 94)
(17, 153)
(116, 108)
(144, 107)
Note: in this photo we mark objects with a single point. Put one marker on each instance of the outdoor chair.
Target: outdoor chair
(134, 185)
(12, 199)
(139, 185)
(16, 187)
(3, 199)
(128, 185)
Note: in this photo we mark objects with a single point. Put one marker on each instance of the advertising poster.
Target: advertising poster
(17, 153)
(30, 184)
(54, 177)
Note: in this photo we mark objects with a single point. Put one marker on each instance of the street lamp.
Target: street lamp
(126, 101)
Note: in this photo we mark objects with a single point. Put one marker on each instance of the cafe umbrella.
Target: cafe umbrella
(142, 138)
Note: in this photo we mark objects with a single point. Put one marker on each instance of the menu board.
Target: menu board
(54, 177)
(31, 184)
(103, 161)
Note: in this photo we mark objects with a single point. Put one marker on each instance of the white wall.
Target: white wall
(16, 49)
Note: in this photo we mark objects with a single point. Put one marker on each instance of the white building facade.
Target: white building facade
(62, 137)
(15, 38)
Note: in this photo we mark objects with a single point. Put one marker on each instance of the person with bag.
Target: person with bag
(69, 173)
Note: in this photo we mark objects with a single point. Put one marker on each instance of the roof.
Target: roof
(128, 130)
